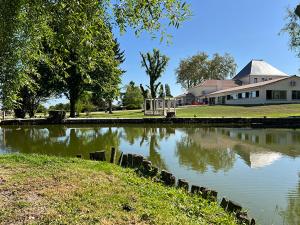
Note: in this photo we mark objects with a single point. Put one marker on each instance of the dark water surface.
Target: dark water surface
(259, 168)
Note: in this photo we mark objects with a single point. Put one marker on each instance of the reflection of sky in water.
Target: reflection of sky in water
(257, 168)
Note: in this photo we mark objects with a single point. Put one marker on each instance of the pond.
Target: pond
(258, 168)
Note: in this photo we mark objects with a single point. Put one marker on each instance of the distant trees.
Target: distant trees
(155, 65)
(168, 91)
(132, 98)
(195, 69)
(161, 92)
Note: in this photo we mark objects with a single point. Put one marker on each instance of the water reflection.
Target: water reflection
(200, 148)
(250, 165)
(292, 213)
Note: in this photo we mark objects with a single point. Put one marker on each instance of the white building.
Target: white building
(256, 84)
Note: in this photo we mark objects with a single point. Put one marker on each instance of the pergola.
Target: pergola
(159, 106)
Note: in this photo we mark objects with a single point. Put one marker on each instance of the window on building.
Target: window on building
(296, 95)
(293, 83)
(247, 94)
(254, 94)
(262, 79)
(240, 95)
(228, 97)
(255, 80)
(257, 94)
(276, 95)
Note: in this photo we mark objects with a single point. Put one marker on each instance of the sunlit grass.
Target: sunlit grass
(214, 111)
(48, 190)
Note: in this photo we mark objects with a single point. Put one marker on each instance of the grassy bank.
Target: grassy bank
(214, 111)
(48, 190)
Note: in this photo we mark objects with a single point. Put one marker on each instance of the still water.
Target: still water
(259, 168)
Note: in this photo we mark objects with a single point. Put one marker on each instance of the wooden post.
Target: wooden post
(124, 162)
(183, 184)
(92, 156)
(224, 203)
(112, 155)
(167, 178)
(120, 159)
(100, 156)
(130, 159)
(195, 189)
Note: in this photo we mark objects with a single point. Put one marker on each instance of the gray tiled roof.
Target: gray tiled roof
(259, 68)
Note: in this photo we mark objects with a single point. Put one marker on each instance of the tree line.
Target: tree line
(66, 47)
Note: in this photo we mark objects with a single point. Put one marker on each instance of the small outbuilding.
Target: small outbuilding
(160, 107)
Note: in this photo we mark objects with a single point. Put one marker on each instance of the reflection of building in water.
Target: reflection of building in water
(270, 140)
(258, 160)
(258, 148)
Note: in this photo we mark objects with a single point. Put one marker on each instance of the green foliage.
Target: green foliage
(133, 98)
(73, 40)
(168, 91)
(60, 106)
(155, 65)
(292, 27)
(161, 92)
(85, 104)
(194, 70)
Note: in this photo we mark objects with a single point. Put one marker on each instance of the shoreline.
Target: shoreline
(284, 122)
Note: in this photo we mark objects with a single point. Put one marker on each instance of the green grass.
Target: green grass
(214, 111)
(48, 190)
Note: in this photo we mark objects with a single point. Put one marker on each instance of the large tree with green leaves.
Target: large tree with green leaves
(155, 65)
(79, 38)
(292, 27)
(195, 69)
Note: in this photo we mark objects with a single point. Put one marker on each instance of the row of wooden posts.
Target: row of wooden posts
(144, 167)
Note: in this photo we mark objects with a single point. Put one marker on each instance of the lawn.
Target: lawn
(214, 111)
(48, 190)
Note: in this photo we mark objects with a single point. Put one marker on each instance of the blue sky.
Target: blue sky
(246, 29)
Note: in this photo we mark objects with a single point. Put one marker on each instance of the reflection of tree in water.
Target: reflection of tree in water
(56, 141)
(193, 154)
(151, 136)
(292, 213)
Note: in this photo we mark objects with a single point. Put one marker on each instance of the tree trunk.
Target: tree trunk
(72, 106)
(110, 106)
(31, 113)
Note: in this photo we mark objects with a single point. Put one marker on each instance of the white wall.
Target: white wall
(280, 85)
(259, 78)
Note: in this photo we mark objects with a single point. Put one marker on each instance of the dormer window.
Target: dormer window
(293, 83)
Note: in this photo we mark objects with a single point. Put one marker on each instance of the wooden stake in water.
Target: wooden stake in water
(112, 155)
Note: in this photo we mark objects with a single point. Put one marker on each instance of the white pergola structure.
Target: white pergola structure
(159, 106)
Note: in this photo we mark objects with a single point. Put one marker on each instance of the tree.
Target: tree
(78, 35)
(115, 90)
(161, 92)
(85, 103)
(145, 92)
(133, 98)
(194, 70)
(168, 91)
(155, 65)
(43, 87)
(292, 27)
